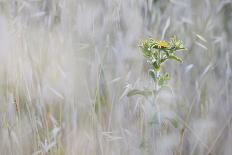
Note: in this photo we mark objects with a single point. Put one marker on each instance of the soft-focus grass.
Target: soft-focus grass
(66, 66)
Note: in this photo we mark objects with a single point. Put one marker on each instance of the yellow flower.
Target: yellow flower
(161, 44)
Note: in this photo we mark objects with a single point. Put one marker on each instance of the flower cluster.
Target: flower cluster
(157, 52)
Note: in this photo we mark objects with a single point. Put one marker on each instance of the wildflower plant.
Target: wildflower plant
(157, 52)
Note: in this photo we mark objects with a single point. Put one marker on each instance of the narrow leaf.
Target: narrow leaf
(175, 58)
(174, 123)
(145, 93)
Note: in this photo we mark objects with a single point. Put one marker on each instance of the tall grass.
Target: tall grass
(67, 65)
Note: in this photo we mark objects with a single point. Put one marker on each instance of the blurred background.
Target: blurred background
(67, 66)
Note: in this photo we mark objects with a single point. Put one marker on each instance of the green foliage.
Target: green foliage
(162, 79)
(144, 93)
(174, 122)
(157, 52)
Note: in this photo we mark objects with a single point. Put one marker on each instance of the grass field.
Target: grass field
(67, 66)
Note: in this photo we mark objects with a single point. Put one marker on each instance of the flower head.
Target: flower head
(161, 44)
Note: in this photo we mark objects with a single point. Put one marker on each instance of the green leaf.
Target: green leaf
(146, 49)
(156, 66)
(163, 59)
(174, 123)
(175, 58)
(146, 53)
(152, 74)
(163, 79)
(134, 92)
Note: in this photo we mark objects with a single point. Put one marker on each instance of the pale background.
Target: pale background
(60, 57)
